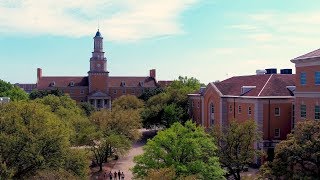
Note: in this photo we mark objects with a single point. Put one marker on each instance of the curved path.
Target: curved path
(124, 164)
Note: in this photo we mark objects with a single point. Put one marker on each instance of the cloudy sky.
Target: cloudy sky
(206, 39)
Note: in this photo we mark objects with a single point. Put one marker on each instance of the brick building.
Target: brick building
(97, 87)
(307, 94)
(266, 98)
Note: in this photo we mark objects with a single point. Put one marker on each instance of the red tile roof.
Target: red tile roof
(164, 83)
(115, 81)
(266, 85)
(45, 81)
(313, 54)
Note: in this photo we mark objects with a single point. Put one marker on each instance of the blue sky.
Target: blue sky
(206, 39)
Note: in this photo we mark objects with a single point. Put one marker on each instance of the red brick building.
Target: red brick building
(265, 98)
(307, 94)
(98, 87)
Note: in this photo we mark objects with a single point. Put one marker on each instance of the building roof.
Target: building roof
(98, 34)
(117, 81)
(114, 81)
(313, 54)
(164, 83)
(265, 85)
(27, 87)
(60, 81)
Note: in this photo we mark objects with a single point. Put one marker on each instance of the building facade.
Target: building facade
(268, 99)
(307, 94)
(98, 87)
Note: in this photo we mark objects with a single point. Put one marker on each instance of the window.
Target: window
(303, 78)
(293, 116)
(71, 92)
(82, 91)
(198, 105)
(230, 108)
(81, 101)
(239, 109)
(123, 91)
(141, 83)
(71, 83)
(317, 78)
(114, 91)
(52, 83)
(303, 111)
(123, 83)
(133, 91)
(277, 132)
(249, 110)
(211, 114)
(277, 111)
(317, 112)
(192, 104)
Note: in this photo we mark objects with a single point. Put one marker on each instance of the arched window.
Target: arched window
(211, 114)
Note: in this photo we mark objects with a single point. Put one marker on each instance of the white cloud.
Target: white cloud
(120, 20)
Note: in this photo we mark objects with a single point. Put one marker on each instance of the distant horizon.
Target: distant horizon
(207, 40)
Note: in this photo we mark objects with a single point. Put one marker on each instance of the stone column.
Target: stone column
(95, 103)
(103, 103)
(109, 104)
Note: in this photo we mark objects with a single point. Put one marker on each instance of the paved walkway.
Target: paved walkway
(125, 163)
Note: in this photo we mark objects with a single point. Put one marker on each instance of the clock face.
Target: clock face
(98, 65)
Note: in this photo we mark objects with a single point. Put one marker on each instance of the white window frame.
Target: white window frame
(230, 108)
(249, 111)
(316, 112)
(275, 134)
(276, 111)
(239, 109)
(305, 111)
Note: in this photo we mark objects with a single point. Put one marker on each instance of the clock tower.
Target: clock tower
(98, 74)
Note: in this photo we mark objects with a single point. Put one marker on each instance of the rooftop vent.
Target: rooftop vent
(261, 71)
(271, 71)
(245, 89)
(285, 71)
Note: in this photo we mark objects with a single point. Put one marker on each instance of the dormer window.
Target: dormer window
(71, 83)
(245, 89)
(123, 83)
(141, 83)
(52, 83)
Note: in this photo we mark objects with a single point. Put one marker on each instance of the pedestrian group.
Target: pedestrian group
(115, 175)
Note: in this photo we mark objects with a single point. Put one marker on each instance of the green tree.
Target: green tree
(83, 131)
(148, 93)
(297, 157)
(118, 121)
(174, 96)
(32, 138)
(108, 146)
(171, 114)
(87, 108)
(236, 145)
(14, 92)
(128, 102)
(187, 149)
(43, 93)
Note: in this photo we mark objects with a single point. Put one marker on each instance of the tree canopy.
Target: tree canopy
(171, 105)
(297, 157)
(32, 138)
(236, 145)
(187, 149)
(127, 102)
(15, 93)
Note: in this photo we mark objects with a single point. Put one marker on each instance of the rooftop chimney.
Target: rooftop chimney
(153, 73)
(39, 74)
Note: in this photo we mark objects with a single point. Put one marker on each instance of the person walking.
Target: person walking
(119, 174)
(122, 176)
(115, 175)
(110, 175)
